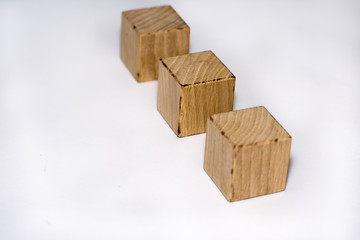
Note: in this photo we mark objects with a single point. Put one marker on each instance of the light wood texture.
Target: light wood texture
(197, 68)
(129, 45)
(218, 155)
(168, 101)
(150, 34)
(192, 87)
(259, 158)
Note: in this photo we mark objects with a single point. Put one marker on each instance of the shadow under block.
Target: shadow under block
(150, 34)
(191, 87)
(246, 153)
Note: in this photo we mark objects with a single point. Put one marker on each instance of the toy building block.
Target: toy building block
(149, 34)
(192, 87)
(246, 153)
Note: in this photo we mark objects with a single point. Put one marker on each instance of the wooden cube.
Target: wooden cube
(192, 87)
(246, 153)
(150, 34)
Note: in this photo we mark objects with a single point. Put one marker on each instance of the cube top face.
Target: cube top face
(154, 19)
(197, 68)
(249, 126)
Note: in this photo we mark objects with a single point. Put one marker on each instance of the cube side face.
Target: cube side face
(168, 98)
(199, 101)
(129, 46)
(218, 159)
(153, 46)
(260, 169)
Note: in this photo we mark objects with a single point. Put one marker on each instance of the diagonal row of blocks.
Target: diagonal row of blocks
(247, 151)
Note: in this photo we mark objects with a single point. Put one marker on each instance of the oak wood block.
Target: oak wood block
(192, 87)
(149, 34)
(246, 153)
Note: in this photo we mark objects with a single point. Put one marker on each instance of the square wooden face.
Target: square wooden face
(199, 101)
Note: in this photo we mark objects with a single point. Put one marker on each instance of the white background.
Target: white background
(84, 154)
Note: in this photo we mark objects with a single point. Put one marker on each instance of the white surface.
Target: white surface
(84, 154)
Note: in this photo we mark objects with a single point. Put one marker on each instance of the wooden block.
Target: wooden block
(149, 34)
(246, 153)
(192, 87)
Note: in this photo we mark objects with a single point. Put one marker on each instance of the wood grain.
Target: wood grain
(218, 155)
(155, 19)
(197, 68)
(129, 45)
(150, 34)
(168, 98)
(207, 88)
(199, 101)
(250, 126)
(260, 153)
